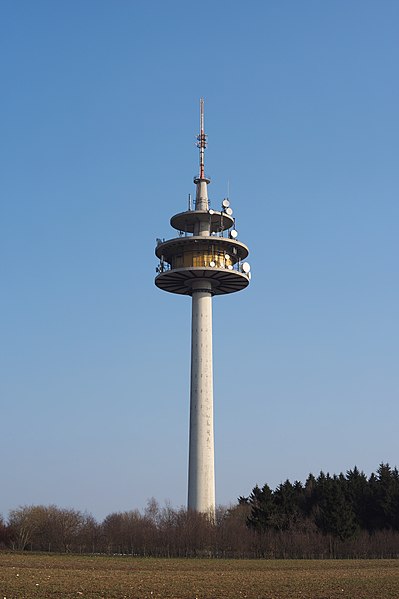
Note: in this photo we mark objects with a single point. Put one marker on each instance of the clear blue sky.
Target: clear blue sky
(99, 112)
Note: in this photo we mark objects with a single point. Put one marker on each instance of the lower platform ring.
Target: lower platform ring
(223, 281)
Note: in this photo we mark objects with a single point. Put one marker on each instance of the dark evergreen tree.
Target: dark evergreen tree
(262, 509)
(309, 496)
(286, 499)
(358, 494)
(387, 497)
(335, 514)
(395, 500)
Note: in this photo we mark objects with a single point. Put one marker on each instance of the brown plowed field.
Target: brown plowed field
(28, 576)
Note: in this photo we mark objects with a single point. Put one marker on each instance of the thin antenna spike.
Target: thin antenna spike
(201, 141)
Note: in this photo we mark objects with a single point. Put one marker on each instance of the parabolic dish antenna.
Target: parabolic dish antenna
(246, 267)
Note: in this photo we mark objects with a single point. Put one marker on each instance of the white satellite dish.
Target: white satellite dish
(229, 211)
(230, 267)
(226, 257)
(212, 263)
(211, 212)
(246, 267)
(225, 203)
(233, 234)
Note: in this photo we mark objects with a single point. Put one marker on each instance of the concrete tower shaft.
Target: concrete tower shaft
(201, 196)
(206, 259)
(201, 479)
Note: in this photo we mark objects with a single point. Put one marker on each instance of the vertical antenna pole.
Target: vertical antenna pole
(201, 141)
(202, 135)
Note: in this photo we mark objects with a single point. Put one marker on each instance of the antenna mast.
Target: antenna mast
(201, 141)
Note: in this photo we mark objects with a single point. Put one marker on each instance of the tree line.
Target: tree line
(349, 515)
(349, 510)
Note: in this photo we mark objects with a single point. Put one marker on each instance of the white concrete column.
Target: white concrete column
(202, 227)
(201, 195)
(201, 471)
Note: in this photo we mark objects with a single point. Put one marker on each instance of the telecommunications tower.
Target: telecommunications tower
(205, 259)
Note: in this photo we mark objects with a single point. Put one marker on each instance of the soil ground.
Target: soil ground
(41, 576)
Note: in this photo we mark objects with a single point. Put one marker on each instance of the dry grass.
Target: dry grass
(54, 576)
